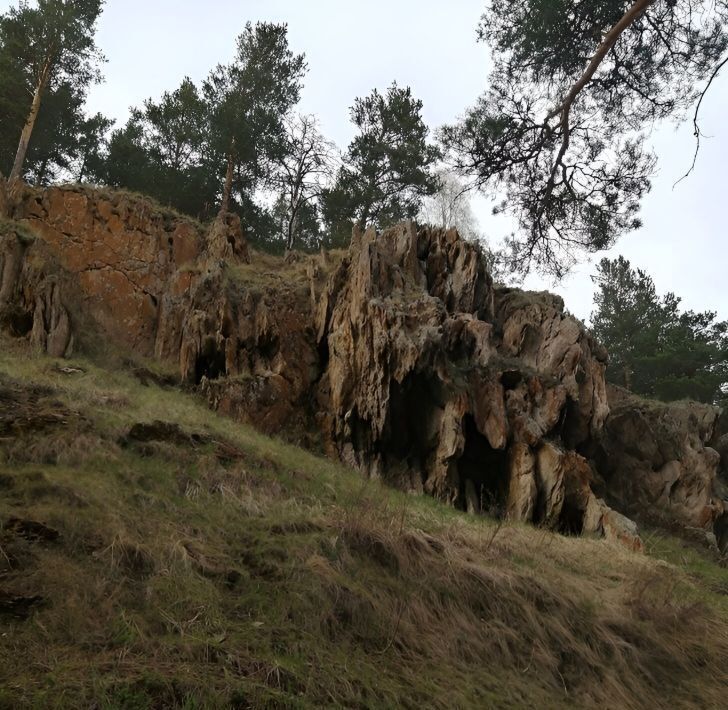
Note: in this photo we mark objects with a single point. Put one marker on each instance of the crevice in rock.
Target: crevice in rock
(413, 406)
(17, 322)
(210, 362)
(571, 520)
(483, 474)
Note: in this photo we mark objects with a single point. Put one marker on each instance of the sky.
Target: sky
(353, 47)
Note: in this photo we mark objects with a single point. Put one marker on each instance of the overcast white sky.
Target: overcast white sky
(430, 45)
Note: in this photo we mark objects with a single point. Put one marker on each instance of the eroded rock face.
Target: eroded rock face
(441, 382)
(34, 294)
(225, 239)
(125, 254)
(4, 202)
(657, 460)
(252, 350)
(411, 363)
(122, 251)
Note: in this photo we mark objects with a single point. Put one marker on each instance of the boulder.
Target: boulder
(657, 461)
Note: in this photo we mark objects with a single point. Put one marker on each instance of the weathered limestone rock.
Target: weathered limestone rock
(122, 251)
(4, 200)
(600, 519)
(523, 489)
(225, 239)
(254, 349)
(33, 294)
(657, 461)
(415, 367)
(480, 395)
(536, 331)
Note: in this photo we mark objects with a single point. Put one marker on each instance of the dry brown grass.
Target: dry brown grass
(634, 643)
(274, 578)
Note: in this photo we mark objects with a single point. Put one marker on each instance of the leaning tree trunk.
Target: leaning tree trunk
(292, 226)
(17, 171)
(228, 188)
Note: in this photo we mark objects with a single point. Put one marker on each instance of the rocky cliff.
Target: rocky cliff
(402, 354)
(438, 380)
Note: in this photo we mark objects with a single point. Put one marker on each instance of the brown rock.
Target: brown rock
(225, 239)
(431, 370)
(122, 251)
(4, 202)
(523, 489)
(33, 295)
(550, 472)
(415, 367)
(657, 462)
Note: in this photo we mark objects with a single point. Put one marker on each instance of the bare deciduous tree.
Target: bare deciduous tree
(308, 163)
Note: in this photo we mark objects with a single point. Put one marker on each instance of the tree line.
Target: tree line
(211, 147)
(655, 348)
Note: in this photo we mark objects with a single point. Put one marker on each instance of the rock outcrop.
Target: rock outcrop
(440, 382)
(4, 200)
(35, 293)
(658, 463)
(403, 354)
(126, 254)
(251, 349)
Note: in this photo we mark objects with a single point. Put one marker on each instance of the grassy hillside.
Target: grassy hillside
(198, 564)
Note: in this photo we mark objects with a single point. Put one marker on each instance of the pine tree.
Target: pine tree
(248, 100)
(47, 47)
(576, 86)
(655, 349)
(388, 167)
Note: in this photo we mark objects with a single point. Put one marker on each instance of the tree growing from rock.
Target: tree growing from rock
(655, 349)
(575, 88)
(47, 46)
(388, 167)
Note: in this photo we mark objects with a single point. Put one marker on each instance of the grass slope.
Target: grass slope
(220, 568)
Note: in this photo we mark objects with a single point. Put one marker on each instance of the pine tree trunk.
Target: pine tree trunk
(42, 172)
(228, 188)
(82, 169)
(17, 171)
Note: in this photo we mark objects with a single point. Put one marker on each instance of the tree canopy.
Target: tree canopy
(248, 100)
(203, 148)
(576, 86)
(163, 151)
(656, 349)
(387, 169)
